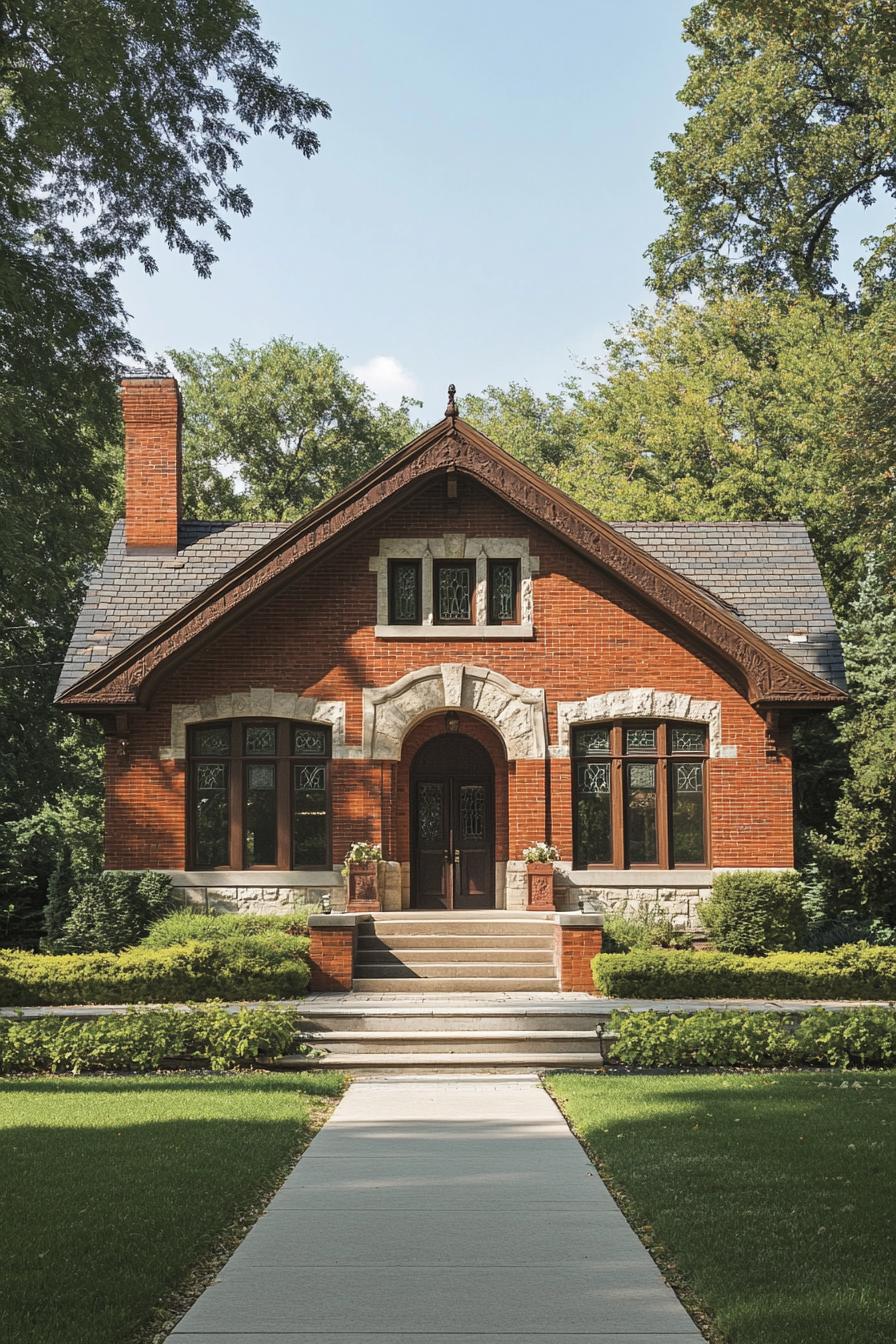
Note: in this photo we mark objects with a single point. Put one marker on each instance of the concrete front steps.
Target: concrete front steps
(451, 1036)
(455, 953)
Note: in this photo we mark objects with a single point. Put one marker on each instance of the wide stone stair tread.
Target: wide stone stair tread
(433, 956)
(452, 984)
(534, 1059)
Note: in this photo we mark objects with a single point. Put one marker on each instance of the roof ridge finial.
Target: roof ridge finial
(451, 408)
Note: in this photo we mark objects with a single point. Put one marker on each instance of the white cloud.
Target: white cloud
(387, 379)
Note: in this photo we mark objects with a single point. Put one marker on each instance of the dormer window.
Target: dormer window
(453, 587)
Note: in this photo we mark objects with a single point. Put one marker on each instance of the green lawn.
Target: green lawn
(769, 1199)
(116, 1192)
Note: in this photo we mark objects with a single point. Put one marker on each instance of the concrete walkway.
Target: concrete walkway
(441, 1211)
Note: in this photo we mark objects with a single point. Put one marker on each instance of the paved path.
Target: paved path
(441, 1211)
(583, 1003)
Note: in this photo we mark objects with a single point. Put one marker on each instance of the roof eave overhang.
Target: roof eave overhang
(769, 677)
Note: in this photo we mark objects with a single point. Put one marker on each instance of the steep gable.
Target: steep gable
(144, 614)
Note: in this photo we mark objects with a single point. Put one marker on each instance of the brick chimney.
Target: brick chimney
(152, 464)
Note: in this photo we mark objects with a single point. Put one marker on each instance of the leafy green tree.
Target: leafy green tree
(270, 433)
(858, 856)
(793, 115)
(544, 432)
(117, 118)
(743, 408)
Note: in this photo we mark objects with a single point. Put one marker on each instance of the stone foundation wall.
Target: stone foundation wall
(238, 898)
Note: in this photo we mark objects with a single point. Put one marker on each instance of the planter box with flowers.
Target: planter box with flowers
(361, 870)
(540, 859)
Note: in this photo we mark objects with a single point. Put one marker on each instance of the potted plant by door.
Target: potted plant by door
(540, 859)
(361, 870)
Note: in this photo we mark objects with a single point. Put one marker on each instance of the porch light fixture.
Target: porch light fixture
(452, 722)
(326, 907)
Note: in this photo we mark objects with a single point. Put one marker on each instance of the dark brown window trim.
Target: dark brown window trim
(237, 763)
(662, 757)
(437, 567)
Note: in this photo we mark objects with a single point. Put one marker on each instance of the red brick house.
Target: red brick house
(451, 659)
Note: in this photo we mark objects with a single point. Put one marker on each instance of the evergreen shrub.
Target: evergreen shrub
(752, 913)
(248, 968)
(854, 971)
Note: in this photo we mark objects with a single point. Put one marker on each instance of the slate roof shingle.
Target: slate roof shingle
(765, 573)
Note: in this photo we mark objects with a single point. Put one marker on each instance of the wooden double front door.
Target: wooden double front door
(452, 825)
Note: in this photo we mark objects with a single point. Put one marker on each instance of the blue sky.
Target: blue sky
(480, 205)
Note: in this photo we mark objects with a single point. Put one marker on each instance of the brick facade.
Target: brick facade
(316, 637)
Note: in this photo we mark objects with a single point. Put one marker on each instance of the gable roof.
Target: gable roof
(743, 589)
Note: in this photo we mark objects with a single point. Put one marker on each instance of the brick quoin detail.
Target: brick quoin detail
(332, 957)
(574, 950)
(152, 463)
(316, 637)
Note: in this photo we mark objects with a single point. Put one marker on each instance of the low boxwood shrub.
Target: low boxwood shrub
(752, 913)
(854, 971)
(713, 1039)
(141, 1039)
(247, 968)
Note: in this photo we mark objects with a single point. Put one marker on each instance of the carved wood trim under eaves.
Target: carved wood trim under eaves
(770, 676)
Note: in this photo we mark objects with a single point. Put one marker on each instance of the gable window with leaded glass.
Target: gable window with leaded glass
(639, 795)
(259, 795)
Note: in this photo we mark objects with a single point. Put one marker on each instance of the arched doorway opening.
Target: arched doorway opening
(452, 825)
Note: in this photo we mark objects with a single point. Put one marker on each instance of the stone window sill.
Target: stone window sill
(448, 632)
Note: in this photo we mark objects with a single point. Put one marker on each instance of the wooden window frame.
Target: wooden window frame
(662, 758)
(238, 762)
(417, 565)
(494, 619)
(437, 567)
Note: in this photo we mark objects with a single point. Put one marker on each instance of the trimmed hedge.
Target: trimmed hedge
(854, 971)
(139, 1040)
(248, 968)
(862, 1037)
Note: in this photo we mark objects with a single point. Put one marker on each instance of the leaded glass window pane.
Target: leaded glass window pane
(592, 741)
(309, 816)
(429, 813)
(212, 741)
(594, 777)
(502, 584)
(211, 831)
(472, 812)
(594, 841)
(640, 813)
(261, 815)
(309, 742)
(404, 592)
(261, 739)
(454, 595)
(688, 739)
(686, 805)
(640, 740)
